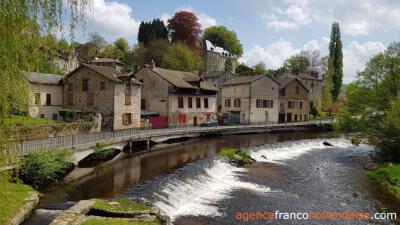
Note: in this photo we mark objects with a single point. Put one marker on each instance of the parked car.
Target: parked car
(210, 123)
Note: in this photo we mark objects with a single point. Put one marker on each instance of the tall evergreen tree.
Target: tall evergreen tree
(335, 62)
(150, 31)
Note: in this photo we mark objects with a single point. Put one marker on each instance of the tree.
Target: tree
(260, 68)
(150, 31)
(22, 25)
(111, 51)
(155, 50)
(122, 45)
(181, 57)
(222, 37)
(297, 64)
(185, 27)
(98, 41)
(242, 69)
(313, 110)
(335, 61)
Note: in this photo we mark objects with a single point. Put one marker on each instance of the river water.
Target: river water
(294, 172)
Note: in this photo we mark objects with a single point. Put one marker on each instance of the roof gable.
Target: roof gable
(43, 78)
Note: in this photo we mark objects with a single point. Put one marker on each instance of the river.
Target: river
(294, 172)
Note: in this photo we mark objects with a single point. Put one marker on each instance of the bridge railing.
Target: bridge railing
(22, 147)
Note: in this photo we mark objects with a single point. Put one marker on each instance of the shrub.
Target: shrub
(388, 176)
(67, 114)
(42, 168)
(239, 157)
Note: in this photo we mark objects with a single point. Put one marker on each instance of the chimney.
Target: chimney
(152, 64)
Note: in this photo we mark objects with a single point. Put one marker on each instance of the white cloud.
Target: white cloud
(355, 28)
(112, 20)
(278, 25)
(355, 54)
(204, 19)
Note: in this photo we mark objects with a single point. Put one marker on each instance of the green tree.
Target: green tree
(122, 45)
(181, 57)
(313, 110)
(261, 68)
(297, 64)
(242, 69)
(227, 39)
(150, 31)
(23, 23)
(335, 61)
(155, 50)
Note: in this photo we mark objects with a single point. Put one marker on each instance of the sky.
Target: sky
(269, 30)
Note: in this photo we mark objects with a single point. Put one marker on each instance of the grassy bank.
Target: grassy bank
(239, 157)
(12, 198)
(388, 175)
(13, 120)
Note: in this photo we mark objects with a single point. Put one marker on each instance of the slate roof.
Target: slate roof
(242, 80)
(181, 79)
(283, 81)
(211, 47)
(43, 78)
(215, 74)
(105, 60)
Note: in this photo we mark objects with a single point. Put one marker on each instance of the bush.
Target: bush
(388, 176)
(67, 114)
(239, 157)
(39, 169)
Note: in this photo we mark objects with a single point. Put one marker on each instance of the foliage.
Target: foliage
(388, 175)
(242, 69)
(151, 31)
(98, 157)
(313, 110)
(297, 64)
(372, 107)
(12, 121)
(125, 205)
(102, 145)
(239, 157)
(155, 50)
(180, 57)
(229, 65)
(335, 62)
(121, 44)
(67, 114)
(260, 68)
(98, 42)
(222, 37)
(111, 51)
(12, 197)
(185, 27)
(42, 168)
(23, 24)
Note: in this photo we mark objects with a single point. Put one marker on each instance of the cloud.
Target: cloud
(112, 19)
(204, 19)
(355, 54)
(278, 25)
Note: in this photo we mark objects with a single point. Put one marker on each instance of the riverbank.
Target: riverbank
(388, 176)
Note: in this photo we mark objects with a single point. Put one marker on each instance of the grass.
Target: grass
(119, 222)
(13, 120)
(240, 157)
(388, 175)
(12, 198)
(125, 205)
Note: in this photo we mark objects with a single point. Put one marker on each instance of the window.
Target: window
(282, 92)
(70, 86)
(259, 103)
(90, 99)
(128, 98)
(268, 103)
(190, 102)
(42, 116)
(55, 116)
(48, 99)
(297, 90)
(143, 104)
(290, 104)
(70, 98)
(85, 85)
(206, 103)
(301, 117)
(227, 103)
(180, 102)
(102, 86)
(301, 105)
(198, 103)
(37, 99)
(236, 102)
(305, 116)
(126, 118)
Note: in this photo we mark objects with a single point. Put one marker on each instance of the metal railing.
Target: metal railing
(22, 147)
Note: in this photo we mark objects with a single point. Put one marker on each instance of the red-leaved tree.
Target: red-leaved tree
(184, 27)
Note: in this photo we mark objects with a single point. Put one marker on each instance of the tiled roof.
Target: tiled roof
(212, 74)
(181, 79)
(242, 80)
(211, 47)
(283, 81)
(105, 60)
(43, 78)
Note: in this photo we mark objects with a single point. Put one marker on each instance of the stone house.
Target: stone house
(250, 99)
(66, 62)
(108, 62)
(45, 95)
(215, 57)
(182, 97)
(217, 78)
(293, 100)
(92, 90)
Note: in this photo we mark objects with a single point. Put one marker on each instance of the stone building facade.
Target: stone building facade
(45, 95)
(91, 90)
(217, 78)
(293, 100)
(215, 57)
(108, 62)
(66, 63)
(250, 99)
(181, 96)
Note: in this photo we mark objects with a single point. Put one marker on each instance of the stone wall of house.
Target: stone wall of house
(232, 92)
(264, 89)
(154, 91)
(48, 111)
(120, 107)
(215, 61)
(291, 95)
(192, 115)
(315, 87)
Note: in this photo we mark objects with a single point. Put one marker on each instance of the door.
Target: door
(289, 117)
(266, 116)
(295, 117)
(235, 118)
(281, 118)
(195, 121)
